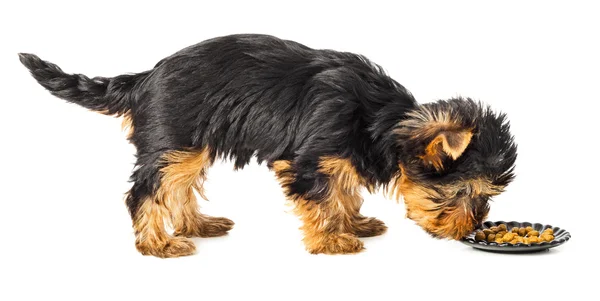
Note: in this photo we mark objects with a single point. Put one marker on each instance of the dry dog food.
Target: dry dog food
(500, 234)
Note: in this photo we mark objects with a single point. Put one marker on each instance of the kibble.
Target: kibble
(547, 237)
(524, 235)
(508, 237)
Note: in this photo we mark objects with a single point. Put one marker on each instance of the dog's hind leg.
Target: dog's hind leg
(150, 213)
(185, 171)
(163, 192)
(331, 220)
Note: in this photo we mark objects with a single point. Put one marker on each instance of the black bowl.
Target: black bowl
(560, 237)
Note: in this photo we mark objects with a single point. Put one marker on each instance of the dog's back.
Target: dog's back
(246, 95)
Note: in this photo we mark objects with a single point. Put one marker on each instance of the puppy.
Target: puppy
(327, 123)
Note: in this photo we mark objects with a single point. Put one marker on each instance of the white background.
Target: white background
(66, 234)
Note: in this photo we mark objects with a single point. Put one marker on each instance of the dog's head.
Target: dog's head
(454, 155)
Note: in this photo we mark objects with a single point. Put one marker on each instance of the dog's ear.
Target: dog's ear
(438, 132)
(447, 143)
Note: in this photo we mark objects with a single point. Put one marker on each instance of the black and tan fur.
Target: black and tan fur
(327, 123)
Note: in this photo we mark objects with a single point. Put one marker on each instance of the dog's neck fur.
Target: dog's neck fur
(383, 164)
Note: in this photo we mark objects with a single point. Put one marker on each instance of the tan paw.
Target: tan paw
(334, 244)
(368, 226)
(173, 247)
(207, 226)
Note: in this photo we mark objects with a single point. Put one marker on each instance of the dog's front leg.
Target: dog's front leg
(329, 207)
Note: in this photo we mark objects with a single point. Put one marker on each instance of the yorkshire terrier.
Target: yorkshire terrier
(328, 124)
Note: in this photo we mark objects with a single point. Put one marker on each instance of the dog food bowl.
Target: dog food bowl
(560, 237)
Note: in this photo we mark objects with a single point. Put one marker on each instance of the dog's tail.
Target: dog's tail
(110, 96)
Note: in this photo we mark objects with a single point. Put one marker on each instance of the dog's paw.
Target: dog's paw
(173, 247)
(206, 226)
(368, 226)
(215, 226)
(334, 244)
